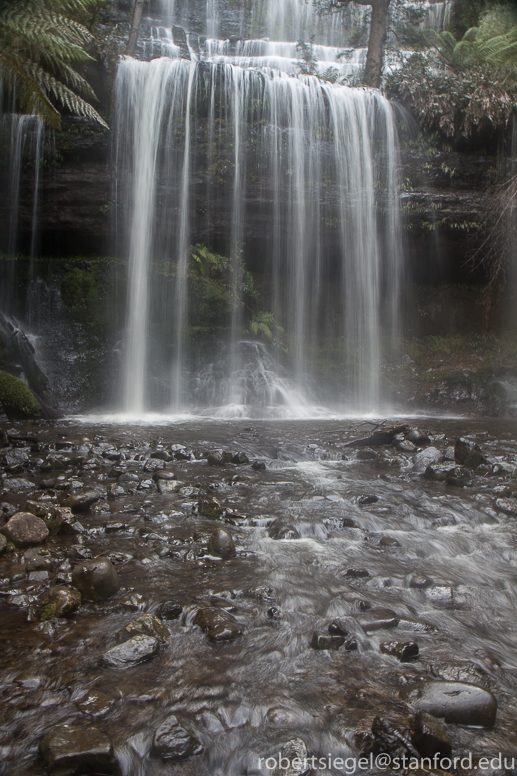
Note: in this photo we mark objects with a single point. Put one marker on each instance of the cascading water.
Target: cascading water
(331, 255)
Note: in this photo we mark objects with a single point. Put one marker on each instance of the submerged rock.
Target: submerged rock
(322, 640)
(96, 579)
(377, 618)
(144, 625)
(216, 625)
(59, 601)
(81, 502)
(210, 507)
(280, 531)
(77, 749)
(173, 742)
(221, 544)
(24, 529)
(403, 651)
(455, 702)
(429, 736)
(136, 650)
(170, 610)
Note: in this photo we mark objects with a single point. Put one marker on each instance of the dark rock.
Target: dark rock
(382, 436)
(429, 736)
(219, 458)
(468, 454)
(348, 522)
(364, 500)
(403, 651)
(76, 749)
(161, 455)
(221, 544)
(458, 476)
(367, 454)
(81, 502)
(322, 640)
(240, 458)
(280, 531)
(170, 610)
(144, 625)
(131, 478)
(350, 645)
(338, 627)
(259, 466)
(3, 543)
(274, 613)
(153, 465)
(173, 742)
(96, 579)
(217, 625)
(419, 582)
(210, 508)
(417, 437)
(24, 529)
(59, 601)
(130, 653)
(358, 573)
(295, 753)
(454, 702)
(163, 474)
(95, 704)
(377, 618)
(388, 541)
(406, 446)
(389, 740)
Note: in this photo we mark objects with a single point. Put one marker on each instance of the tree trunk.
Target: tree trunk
(135, 26)
(378, 31)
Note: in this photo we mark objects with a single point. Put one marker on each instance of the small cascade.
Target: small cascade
(330, 253)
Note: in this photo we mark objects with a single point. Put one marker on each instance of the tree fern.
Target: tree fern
(38, 42)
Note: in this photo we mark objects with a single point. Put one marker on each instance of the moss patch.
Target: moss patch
(16, 398)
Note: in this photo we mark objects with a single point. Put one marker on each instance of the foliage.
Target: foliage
(497, 252)
(308, 65)
(16, 398)
(39, 41)
(263, 326)
(459, 85)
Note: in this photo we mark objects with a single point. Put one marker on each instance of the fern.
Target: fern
(38, 43)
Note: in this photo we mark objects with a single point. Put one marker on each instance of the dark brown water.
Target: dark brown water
(245, 698)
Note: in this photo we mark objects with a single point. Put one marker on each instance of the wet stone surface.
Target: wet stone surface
(272, 597)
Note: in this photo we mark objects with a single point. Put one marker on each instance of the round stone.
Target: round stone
(24, 529)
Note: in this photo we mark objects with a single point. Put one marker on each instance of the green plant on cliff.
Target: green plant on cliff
(16, 398)
(39, 42)
(458, 86)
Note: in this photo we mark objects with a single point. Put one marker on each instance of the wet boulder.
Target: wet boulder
(59, 601)
(468, 453)
(221, 544)
(240, 458)
(218, 626)
(77, 749)
(144, 625)
(210, 507)
(3, 543)
(367, 499)
(417, 437)
(81, 502)
(132, 652)
(219, 458)
(24, 529)
(402, 650)
(454, 702)
(449, 473)
(95, 703)
(170, 610)
(281, 531)
(172, 742)
(18, 401)
(426, 458)
(377, 618)
(507, 505)
(331, 641)
(96, 579)
(429, 736)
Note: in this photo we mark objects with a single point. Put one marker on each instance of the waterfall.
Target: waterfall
(319, 160)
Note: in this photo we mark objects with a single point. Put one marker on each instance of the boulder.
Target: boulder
(219, 458)
(144, 625)
(24, 529)
(402, 650)
(468, 453)
(76, 749)
(377, 618)
(81, 502)
(426, 457)
(322, 640)
(170, 610)
(96, 579)
(16, 398)
(210, 507)
(217, 625)
(136, 650)
(59, 601)
(429, 736)
(454, 702)
(173, 742)
(221, 544)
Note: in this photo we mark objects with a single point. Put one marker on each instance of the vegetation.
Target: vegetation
(459, 86)
(16, 399)
(39, 42)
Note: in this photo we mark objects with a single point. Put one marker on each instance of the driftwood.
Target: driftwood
(384, 436)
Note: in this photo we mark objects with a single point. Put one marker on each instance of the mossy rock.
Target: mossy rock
(16, 399)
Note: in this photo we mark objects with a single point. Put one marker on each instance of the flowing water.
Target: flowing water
(243, 699)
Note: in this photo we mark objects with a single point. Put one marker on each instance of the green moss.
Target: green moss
(16, 398)
(47, 611)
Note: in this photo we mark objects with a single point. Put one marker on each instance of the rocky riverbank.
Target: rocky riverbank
(201, 595)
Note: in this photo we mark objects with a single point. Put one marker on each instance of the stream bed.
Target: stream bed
(390, 545)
